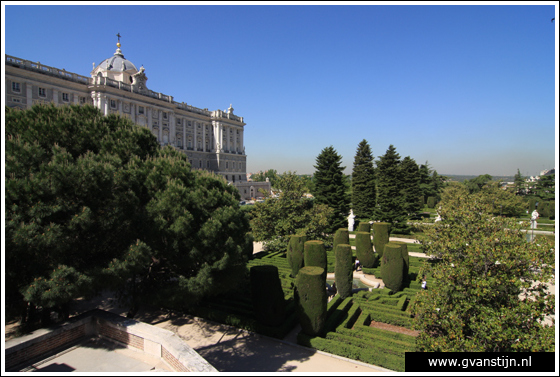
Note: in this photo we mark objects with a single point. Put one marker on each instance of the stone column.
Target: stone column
(203, 137)
(55, 96)
(160, 127)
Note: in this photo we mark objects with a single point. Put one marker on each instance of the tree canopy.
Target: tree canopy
(276, 219)
(487, 290)
(330, 187)
(93, 202)
(363, 182)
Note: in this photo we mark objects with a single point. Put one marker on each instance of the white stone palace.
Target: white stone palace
(212, 140)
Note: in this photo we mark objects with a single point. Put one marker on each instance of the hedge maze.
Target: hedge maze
(347, 329)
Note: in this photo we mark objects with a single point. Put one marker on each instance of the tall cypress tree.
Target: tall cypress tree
(363, 182)
(411, 185)
(330, 187)
(390, 201)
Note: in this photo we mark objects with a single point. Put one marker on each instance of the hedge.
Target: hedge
(343, 274)
(295, 253)
(392, 266)
(311, 299)
(380, 237)
(267, 295)
(314, 254)
(364, 250)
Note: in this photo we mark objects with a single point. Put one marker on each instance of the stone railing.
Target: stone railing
(45, 69)
(154, 341)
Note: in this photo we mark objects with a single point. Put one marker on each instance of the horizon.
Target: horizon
(468, 89)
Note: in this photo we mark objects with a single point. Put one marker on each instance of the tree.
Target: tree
(275, 220)
(411, 186)
(502, 202)
(363, 182)
(545, 187)
(93, 202)
(271, 174)
(431, 183)
(475, 185)
(519, 182)
(390, 201)
(330, 187)
(487, 291)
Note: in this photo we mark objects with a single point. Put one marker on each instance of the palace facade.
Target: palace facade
(212, 140)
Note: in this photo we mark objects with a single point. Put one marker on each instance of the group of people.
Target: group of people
(331, 289)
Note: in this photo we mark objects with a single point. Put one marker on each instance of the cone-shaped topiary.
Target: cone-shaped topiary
(341, 237)
(267, 295)
(343, 275)
(364, 227)
(295, 253)
(364, 250)
(311, 300)
(380, 236)
(314, 254)
(392, 267)
(404, 253)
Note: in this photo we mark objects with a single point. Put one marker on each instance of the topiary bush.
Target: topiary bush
(311, 300)
(364, 250)
(392, 266)
(295, 253)
(314, 254)
(380, 236)
(431, 202)
(267, 295)
(341, 237)
(343, 274)
(406, 265)
(364, 227)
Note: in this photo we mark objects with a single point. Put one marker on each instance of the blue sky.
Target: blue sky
(470, 89)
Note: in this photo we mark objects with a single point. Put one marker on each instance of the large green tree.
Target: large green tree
(487, 289)
(93, 202)
(411, 186)
(476, 184)
(363, 182)
(271, 174)
(330, 187)
(545, 187)
(519, 183)
(390, 201)
(275, 220)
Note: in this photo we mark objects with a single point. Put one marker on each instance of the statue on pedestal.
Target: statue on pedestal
(351, 221)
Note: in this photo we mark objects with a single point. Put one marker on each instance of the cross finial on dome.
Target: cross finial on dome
(118, 52)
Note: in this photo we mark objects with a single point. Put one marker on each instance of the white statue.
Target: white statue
(351, 221)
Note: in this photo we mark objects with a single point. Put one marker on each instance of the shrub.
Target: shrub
(392, 266)
(380, 237)
(364, 227)
(295, 253)
(314, 254)
(364, 250)
(343, 270)
(267, 294)
(341, 237)
(311, 298)
(431, 202)
(404, 253)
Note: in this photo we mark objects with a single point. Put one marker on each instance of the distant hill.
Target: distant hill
(461, 178)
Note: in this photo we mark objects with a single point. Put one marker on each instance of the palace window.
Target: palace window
(178, 121)
(15, 99)
(199, 163)
(113, 104)
(42, 92)
(82, 100)
(140, 109)
(65, 97)
(164, 115)
(15, 87)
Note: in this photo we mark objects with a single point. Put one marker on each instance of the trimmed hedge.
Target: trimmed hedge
(314, 254)
(338, 315)
(267, 295)
(380, 237)
(369, 355)
(341, 237)
(311, 299)
(295, 253)
(343, 274)
(364, 250)
(392, 266)
(404, 254)
(364, 227)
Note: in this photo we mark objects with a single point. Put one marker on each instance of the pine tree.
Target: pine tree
(411, 185)
(92, 201)
(330, 187)
(390, 201)
(519, 182)
(363, 182)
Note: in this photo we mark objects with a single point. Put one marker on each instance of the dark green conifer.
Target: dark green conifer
(363, 182)
(411, 186)
(330, 186)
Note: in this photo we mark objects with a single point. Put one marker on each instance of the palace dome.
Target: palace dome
(116, 67)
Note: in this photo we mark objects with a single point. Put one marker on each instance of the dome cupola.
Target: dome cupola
(116, 67)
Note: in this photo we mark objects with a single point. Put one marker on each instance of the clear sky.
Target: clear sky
(470, 89)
